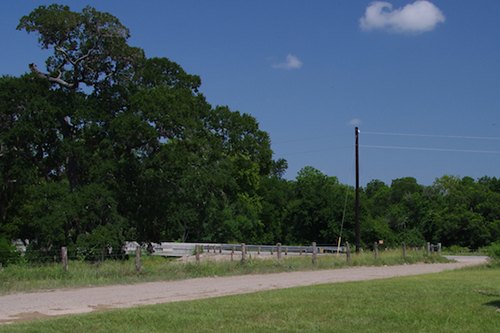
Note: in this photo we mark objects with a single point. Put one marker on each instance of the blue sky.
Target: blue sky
(311, 70)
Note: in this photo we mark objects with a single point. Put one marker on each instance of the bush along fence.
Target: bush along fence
(242, 252)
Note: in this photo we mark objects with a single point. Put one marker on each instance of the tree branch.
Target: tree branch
(34, 69)
(66, 55)
(83, 57)
(69, 59)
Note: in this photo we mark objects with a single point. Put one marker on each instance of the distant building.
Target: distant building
(21, 245)
(130, 247)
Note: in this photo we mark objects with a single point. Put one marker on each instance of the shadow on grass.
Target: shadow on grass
(495, 304)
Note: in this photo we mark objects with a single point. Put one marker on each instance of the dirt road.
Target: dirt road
(25, 306)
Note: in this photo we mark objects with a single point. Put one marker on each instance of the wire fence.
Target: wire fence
(235, 251)
(37, 257)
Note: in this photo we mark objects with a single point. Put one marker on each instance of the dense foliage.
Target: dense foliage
(452, 211)
(108, 144)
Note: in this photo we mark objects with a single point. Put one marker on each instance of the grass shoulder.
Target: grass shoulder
(24, 277)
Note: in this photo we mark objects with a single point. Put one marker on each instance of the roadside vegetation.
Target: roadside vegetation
(466, 300)
(493, 251)
(29, 277)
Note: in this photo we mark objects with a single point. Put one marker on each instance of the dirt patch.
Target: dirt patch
(24, 316)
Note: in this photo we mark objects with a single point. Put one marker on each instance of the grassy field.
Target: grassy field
(466, 300)
(17, 278)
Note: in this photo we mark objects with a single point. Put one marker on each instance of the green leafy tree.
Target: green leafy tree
(468, 216)
(276, 193)
(402, 187)
(316, 211)
(89, 47)
(106, 143)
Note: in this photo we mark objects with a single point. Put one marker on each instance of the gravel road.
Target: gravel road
(27, 306)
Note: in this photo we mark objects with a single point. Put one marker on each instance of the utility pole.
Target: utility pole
(356, 203)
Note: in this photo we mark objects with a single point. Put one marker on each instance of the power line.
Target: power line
(466, 137)
(326, 137)
(435, 136)
(433, 149)
(396, 148)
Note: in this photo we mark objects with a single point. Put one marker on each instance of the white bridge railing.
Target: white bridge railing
(173, 249)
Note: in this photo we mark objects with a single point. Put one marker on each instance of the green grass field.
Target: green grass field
(466, 300)
(19, 278)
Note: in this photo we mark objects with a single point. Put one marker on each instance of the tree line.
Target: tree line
(106, 145)
(452, 211)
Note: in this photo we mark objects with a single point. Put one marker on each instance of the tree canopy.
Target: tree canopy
(108, 141)
(89, 47)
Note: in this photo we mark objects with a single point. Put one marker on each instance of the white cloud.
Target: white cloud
(291, 62)
(355, 122)
(414, 18)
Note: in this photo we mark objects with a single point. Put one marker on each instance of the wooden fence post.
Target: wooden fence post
(64, 258)
(243, 253)
(258, 250)
(314, 253)
(138, 265)
(428, 248)
(286, 250)
(348, 252)
(439, 248)
(197, 252)
(375, 250)
(278, 251)
(404, 249)
(232, 253)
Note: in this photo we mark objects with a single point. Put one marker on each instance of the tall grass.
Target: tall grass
(24, 277)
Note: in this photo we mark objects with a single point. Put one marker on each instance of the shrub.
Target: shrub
(94, 246)
(494, 250)
(457, 249)
(8, 253)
